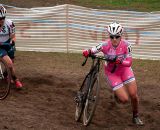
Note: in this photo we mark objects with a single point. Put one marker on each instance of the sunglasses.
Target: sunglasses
(2, 18)
(114, 36)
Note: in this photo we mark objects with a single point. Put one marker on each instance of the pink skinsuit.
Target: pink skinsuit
(123, 73)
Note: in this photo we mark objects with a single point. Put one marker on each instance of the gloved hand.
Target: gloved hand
(86, 53)
(12, 43)
(118, 61)
(111, 59)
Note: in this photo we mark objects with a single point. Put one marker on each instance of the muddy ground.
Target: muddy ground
(50, 83)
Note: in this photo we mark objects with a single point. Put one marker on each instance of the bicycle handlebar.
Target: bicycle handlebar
(102, 58)
(99, 57)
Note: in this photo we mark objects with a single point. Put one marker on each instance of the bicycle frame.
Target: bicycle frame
(93, 70)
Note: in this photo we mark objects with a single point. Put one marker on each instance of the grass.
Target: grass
(134, 5)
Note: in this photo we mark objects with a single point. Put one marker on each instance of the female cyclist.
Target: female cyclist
(7, 43)
(122, 80)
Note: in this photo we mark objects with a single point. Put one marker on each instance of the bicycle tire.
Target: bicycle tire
(5, 79)
(87, 116)
(80, 105)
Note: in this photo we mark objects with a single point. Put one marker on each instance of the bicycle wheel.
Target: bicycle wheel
(81, 98)
(91, 101)
(5, 79)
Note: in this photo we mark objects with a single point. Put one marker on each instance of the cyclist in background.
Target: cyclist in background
(122, 80)
(7, 43)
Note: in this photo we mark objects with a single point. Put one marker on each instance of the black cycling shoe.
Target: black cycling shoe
(137, 121)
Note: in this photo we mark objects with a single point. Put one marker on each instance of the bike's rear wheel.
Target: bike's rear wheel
(91, 101)
(81, 95)
(5, 79)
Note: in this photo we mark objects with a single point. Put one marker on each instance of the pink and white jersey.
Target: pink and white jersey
(122, 51)
(123, 73)
(7, 29)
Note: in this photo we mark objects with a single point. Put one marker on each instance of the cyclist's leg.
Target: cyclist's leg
(129, 81)
(132, 90)
(11, 54)
(4, 55)
(11, 66)
(121, 94)
(131, 87)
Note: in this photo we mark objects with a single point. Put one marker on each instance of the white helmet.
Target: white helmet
(3, 11)
(115, 29)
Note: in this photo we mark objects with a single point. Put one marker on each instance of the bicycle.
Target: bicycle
(88, 94)
(5, 79)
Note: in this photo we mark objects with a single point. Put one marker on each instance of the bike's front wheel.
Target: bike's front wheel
(81, 98)
(91, 101)
(5, 79)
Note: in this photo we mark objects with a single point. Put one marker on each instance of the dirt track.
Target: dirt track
(46, 103)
